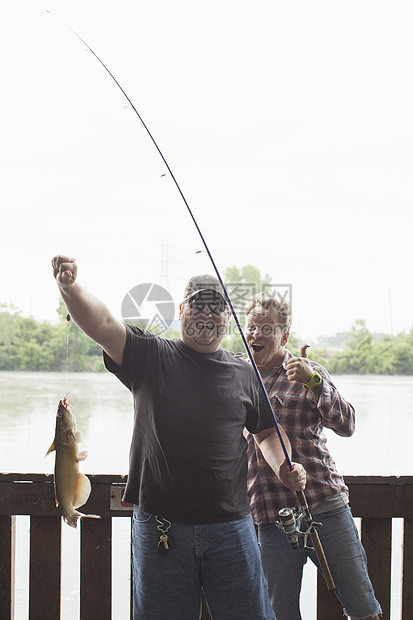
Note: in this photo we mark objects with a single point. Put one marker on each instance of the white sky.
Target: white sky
(288, 126)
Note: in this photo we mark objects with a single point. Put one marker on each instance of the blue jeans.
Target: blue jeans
(283, 566)
(221, 558)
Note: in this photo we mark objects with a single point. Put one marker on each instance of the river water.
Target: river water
(381, 445)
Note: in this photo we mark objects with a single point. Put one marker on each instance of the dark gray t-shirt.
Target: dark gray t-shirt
(188, 455)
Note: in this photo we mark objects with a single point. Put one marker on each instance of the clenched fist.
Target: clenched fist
(64, 270)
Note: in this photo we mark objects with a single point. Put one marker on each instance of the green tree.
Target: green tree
(73, 347)
(242, 283)
(9, 335)
(361, 344)
(383, 358)
(357, 356)
(340, 362)
(402, 354)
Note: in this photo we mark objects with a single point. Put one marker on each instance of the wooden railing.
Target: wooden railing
(376, 500)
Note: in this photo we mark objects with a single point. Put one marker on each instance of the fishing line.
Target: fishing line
(234, 314)
(300, 494)
(67, 341)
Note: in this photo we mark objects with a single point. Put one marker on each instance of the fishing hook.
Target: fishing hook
(300, 494)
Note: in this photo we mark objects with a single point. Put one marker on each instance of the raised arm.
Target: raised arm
(87, 311)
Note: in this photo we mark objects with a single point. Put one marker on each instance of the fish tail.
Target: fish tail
(72, 519)
(82, 516)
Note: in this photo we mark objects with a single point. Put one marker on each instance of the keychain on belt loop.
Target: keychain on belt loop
(164, 543)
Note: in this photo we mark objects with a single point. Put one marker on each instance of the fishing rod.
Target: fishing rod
(291, 526)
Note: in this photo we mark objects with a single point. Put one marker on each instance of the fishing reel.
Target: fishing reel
(290, 524)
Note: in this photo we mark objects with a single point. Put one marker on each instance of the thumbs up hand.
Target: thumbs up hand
(299, 368)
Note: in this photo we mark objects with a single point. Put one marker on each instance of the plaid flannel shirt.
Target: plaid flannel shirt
(302, 415)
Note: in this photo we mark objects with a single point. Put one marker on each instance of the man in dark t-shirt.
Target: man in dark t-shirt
(192, 527)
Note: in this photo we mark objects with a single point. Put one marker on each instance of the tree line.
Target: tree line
(358, 351)
(366, 354)
(26, 344)
(29, 345)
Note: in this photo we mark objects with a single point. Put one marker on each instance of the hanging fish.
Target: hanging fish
(72, 488)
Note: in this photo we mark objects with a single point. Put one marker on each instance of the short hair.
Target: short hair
(271, 301)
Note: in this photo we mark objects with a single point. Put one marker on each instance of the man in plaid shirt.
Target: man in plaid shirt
(304, 400)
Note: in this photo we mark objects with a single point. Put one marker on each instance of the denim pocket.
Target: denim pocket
(140, 516)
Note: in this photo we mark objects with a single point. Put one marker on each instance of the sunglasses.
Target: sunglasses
(216, 307)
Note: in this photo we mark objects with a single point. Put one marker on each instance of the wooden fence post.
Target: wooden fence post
(7, 565)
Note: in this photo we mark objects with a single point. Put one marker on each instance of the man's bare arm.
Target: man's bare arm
(87, 311)
(273, 453)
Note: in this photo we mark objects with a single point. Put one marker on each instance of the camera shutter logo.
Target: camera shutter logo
(148, 306)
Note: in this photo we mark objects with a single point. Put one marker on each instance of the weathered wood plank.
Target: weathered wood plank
(37, 497)
(42, 477)
(328, 605)
(382, 496)
(407, 571)
(386, 497)
(28, 498)
(375, 499)
(7, 566)
(376, 539)
(96, 569)
(45, 568)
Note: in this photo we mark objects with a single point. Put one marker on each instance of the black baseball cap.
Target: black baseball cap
(204, 282)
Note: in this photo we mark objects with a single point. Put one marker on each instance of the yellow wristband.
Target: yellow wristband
(313, 381)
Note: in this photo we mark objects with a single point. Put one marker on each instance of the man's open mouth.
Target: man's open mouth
(257, 347)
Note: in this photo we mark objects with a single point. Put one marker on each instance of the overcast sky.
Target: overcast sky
(288, 126)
